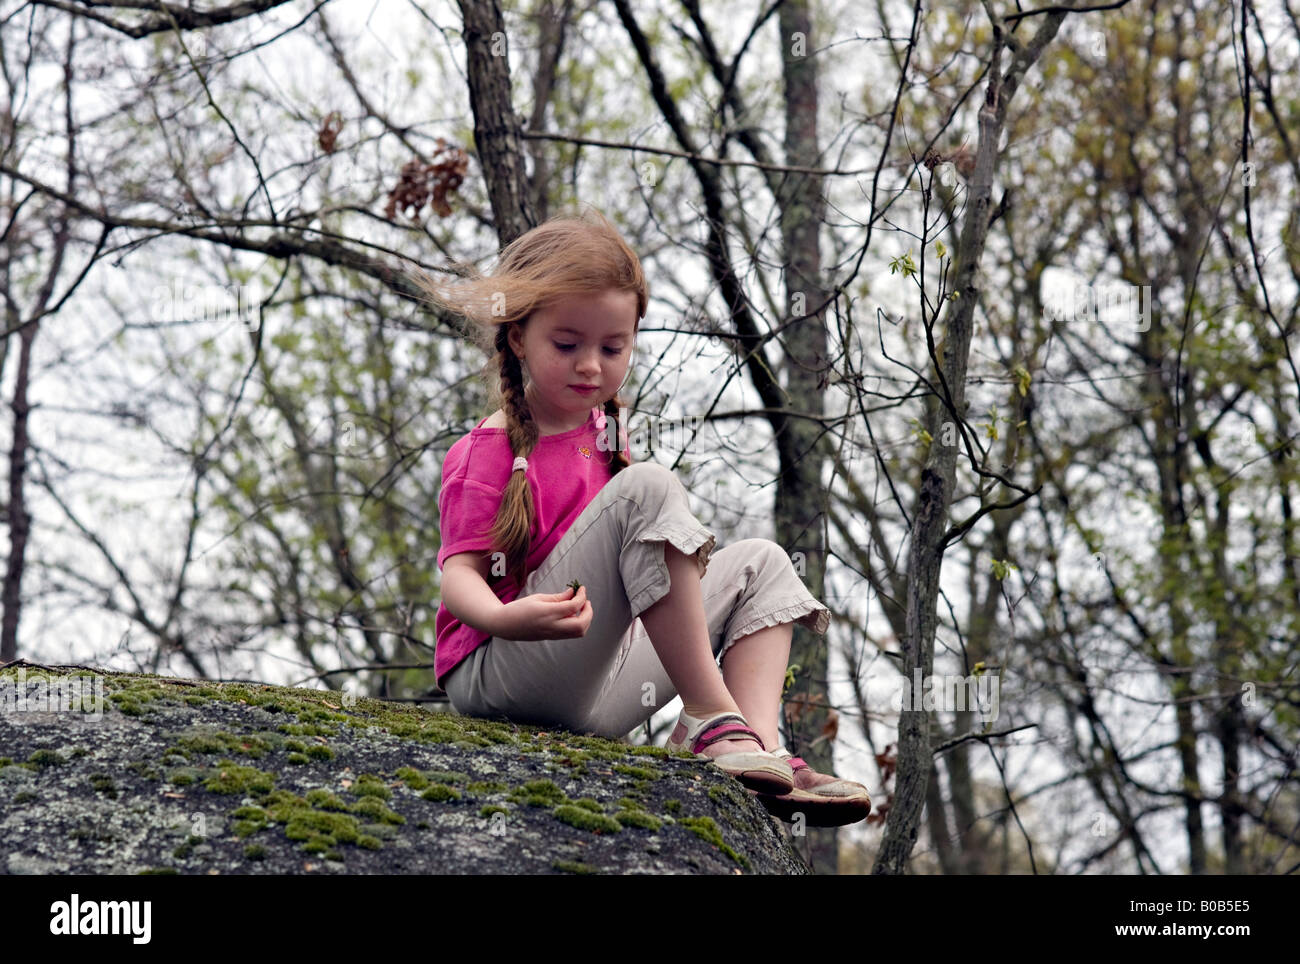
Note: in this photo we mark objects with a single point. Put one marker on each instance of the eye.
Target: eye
(611, 352)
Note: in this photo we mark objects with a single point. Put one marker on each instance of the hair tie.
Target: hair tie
(520, 463)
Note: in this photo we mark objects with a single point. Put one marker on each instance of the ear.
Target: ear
(515, 337)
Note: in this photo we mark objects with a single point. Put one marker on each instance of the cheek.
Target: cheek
(554, 361)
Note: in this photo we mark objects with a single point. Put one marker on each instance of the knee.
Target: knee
(647, 477)
(762, 553)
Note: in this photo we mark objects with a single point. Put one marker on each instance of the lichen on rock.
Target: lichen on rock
(195, 777)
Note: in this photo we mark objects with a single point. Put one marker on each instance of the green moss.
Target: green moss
(595, 748)
(490, 808)
(371, 843)
(254, 851)
(440, 792)
(316, 714)
(706, 829)
(24, 796)
(146, 770)
(731, 801)
(447, 776)
(324, 800)
(315, 825)
(538, 793)
(584, 819)
(487, 786)
(104, 784)
(183, 851)
(373, 808)
(222, 743)
(231, 777)
(638, 818)
(413, 778)
(641, 773)
(575, 761)
(5, 762)
(183, 776)
(574, 867)
(649, 751)
(159, 870)
(304, 714)
(299, 759)
(369, 785)
(249, 820)
(44, 759)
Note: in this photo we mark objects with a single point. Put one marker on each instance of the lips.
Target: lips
(584, 389)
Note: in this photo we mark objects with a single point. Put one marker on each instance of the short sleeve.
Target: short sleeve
(466, 511)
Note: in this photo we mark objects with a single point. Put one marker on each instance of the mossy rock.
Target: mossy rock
(204, 784)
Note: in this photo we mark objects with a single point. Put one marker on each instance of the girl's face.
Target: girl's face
(576, 351)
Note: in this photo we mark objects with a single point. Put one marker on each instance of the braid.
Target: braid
(617, 460)
(512, 529)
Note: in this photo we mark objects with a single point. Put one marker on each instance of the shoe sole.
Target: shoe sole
(817, 811)
(760, 777)
(762, 781)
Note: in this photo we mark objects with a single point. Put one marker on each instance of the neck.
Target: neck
(543, 418)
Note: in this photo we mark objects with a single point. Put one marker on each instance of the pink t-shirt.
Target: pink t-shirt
(565, 472)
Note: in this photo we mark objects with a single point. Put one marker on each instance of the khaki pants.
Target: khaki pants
(610, 681)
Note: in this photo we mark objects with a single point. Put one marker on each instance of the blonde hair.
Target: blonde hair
(566, 255)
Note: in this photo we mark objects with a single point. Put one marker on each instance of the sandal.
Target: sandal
(831, 804)
(762, 772)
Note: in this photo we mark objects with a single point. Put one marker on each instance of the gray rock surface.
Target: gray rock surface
(183, 776)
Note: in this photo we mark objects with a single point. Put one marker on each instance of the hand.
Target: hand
(559, 615)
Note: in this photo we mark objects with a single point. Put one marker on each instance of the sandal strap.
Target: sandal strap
(796, 762)
(723, 727)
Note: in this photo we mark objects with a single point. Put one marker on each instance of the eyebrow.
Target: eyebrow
(574, 331)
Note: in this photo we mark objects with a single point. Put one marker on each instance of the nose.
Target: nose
(589, 363)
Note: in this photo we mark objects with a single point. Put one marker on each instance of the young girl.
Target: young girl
(542, 495)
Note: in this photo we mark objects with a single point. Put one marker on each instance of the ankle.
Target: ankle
(703, 711)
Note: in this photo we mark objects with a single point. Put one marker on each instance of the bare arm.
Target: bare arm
(466, 594)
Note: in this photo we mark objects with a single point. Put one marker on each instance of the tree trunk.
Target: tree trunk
(496, 127)
(929, 520)
(19, 521)
(799, 523)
